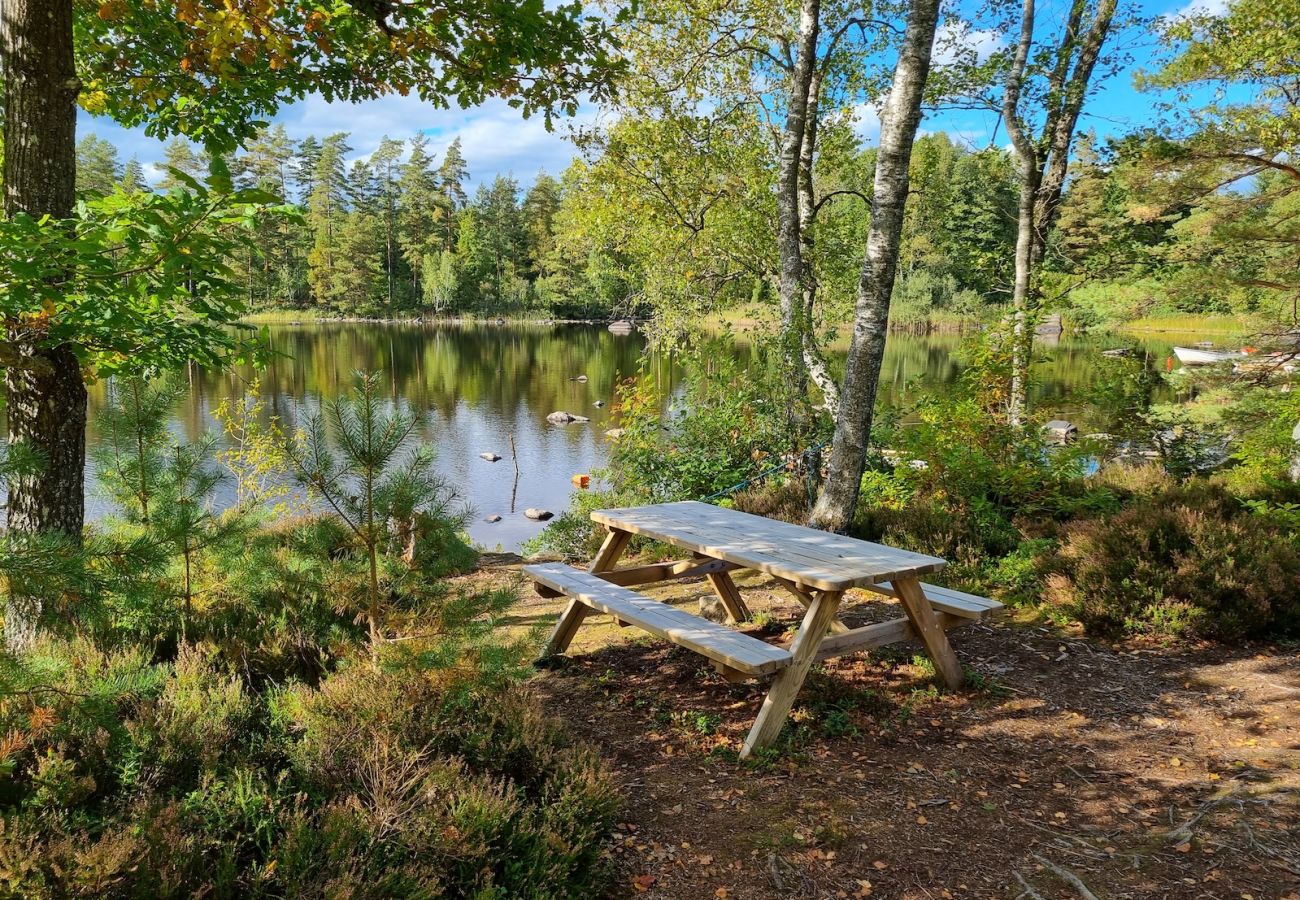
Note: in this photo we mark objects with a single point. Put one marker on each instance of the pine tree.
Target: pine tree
(181, 156)
(452, 175)
(304, 167)
(133, 180)
(386, 160)
(98, 169)
(377, 480)
(418, 207)
(541, 203)
(325, 213)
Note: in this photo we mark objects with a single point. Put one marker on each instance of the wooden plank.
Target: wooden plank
(948, 600)
(570, 620)
(878, 635)
(808, 544)
(718, 643)
(926, 624)
(785, 687)
(812, 558)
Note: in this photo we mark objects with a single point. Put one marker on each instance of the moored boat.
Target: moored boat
(1195, 356)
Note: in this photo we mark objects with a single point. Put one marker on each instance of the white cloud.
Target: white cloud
(495, 138)
(866, 119)
(956, 41)
(1201, 8)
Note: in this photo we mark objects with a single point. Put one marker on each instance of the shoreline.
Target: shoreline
(1174, 324)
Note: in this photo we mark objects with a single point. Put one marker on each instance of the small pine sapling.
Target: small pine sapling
(358, 455)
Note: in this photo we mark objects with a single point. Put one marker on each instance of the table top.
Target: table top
(809, 557)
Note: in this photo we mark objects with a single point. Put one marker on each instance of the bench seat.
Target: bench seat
(948, 600)
(717, 642)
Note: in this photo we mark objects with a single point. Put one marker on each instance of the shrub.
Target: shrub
(124, 777)
(1190, 561)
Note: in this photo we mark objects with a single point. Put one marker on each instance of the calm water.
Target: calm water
(473, 387)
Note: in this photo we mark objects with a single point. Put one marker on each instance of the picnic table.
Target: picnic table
(817, 567)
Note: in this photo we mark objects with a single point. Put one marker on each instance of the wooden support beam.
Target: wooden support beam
(803, 596)
(878, 635)
(571, 619)
(785, 687)
(665, 571)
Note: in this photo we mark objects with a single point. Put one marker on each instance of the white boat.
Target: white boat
(1192, 356)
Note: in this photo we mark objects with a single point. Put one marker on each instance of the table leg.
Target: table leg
(727, 592)
(805, 597)
(927, 627)
(571, 619)
(785, 687)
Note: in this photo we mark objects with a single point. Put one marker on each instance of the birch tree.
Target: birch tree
(898, 124)
(1042, 125)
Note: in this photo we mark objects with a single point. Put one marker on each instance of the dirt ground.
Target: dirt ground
(1069, 768)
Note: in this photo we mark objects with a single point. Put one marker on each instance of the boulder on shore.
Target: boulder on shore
(560, 417)
(538, 515)
(614, 434)
(490, 456)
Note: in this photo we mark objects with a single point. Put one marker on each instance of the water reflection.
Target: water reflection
(473, 387)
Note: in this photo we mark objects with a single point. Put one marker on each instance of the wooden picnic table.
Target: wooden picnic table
(817, 567)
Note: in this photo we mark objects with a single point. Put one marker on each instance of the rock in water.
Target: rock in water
(598, 404)
(560, 417)
(579, 378)
(490, 456)
(1060, 431)
(614, 434)
(538, 515)
(493, 518)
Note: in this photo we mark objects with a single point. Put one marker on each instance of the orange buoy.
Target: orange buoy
(582, 481)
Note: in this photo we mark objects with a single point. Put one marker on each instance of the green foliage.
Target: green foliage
(211, 70)
(133, 282)
(1191, 561)
(720, 431)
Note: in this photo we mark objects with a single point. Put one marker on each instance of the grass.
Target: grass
(1189, 323)
(282, 316)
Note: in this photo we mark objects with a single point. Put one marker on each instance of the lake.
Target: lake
(473, 387)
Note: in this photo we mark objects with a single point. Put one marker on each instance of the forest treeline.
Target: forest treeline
(399, 232)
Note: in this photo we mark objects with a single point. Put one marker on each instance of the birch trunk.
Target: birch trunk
(1042, 164)
(789, 233)
(813, 361)
(899, 121)
(46, 396)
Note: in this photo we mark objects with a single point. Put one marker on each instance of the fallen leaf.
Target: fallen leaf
(922, 820)
(722, 893)
(1184, 847)
(643, 883)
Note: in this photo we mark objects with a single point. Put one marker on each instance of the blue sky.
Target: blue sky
(497, 140)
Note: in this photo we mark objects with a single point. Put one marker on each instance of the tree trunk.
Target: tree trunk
(813, 360)
(901, 117)
(1043, 163)
(46, 400)
(1029, 170)
(788, 235)
(1024, 315)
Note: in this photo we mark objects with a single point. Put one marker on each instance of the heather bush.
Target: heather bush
(1190, 561)
(126, 777)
